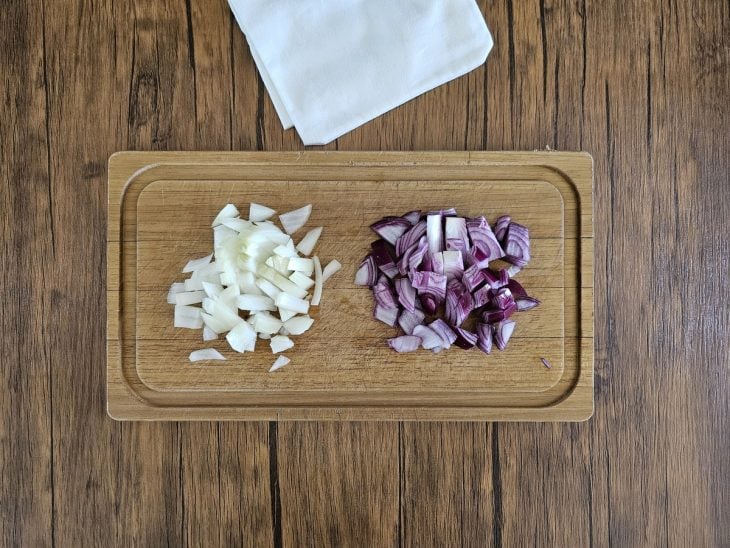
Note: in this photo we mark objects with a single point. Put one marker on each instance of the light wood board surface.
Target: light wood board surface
(161, 207)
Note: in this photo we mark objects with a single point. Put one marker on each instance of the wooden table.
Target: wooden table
(643, 86)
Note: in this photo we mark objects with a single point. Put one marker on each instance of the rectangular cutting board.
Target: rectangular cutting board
(160, 209)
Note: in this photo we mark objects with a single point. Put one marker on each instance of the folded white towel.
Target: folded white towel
(332, 65)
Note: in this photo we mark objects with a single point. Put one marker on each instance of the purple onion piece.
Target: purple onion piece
(492, 278)
(484, 338)
(409, 320)
(546, 363)
(406, 294)
(502, 333)
(410, 238)
(500, 227)
(465, 339)
(434, 262)
(459, 303)
(384, 294)
(405, 343)
(516, 288)
(436, 349)
(381, 253)
(503, 298)
(434, 233)
(412, 216)
(473, 278)
(526, 303)
(517, 245)
(386, 315)
(367, 272)
(482, 296)
(391, 228)
(457, 238)
(431, 288)
(492, 315)
(453, 264)
(430, 339)
(513, 270)
(444, 331)
(484, 244)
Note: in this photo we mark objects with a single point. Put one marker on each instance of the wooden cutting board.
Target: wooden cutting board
(160, 209)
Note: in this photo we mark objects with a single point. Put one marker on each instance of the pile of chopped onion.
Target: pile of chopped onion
(433, 275)
(256, 284)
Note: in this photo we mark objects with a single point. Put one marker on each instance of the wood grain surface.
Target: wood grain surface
(160, 209)
(643, 86)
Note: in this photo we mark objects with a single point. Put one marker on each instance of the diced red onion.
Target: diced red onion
(409, 320)
(386, 315)
(410, 238)
(457, 238)
(500, 227)
(413, 216)
(452, 264)
(431, 288)
(516, 288)
(503, 298)
(502, 333)
(391, 228)
(435, 233)
(381, 253)
(459, 303)
(526, 303)
(484, 244)
(429, 338)
(419, 254)
(482, 296)
(384, 294)
(405, 343)
(367, 272)
(434, 262)
(513, 270)
(465, 339)
(517, 245)
(546, 363)
(493, 315)
(473, 278)
(448, 337)
(484, 337)
(406, 294)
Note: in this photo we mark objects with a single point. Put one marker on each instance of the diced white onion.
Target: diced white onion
(242, 338)
(301, 280)
(189, 297)
(268, 288)
(298, 324)
(209, 334)
(330, 269)
(197, 264)
(285, 314)
(280, 362)
(280, 343)
(206, 354)
(285, 284)
(193, 284)
(266, 323)
(317, 294)
(212, 289)
(301, 264)
(188, 317)
(258, 212)
(177, 287)
(229, 211)
(255, 303)
(287, 250)
(294, 220)
(290, 302)
(306, 246)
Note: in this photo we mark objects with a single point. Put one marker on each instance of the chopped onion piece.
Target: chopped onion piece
(290, 302)
(448, 337)
(193, 284)
(285, 314)
(502, 333)
(212, 289)
(229, 211)
(286, 250)
(177, 287)
(405, 343)
(222, 234)
(526, 303)
(306, 246)
(188, 317)
(242, 338)
(435, 233)
(209, 334)
(263, 322)
(280, 362)
(258, 212)
(413, 216)
(239, 225)
(285, 284)
(214, 324)
(206, 354)
(484, 337)
(367, 272)
(452, 263)
(298, 324)
(332, 267)
(317, 294)
(280, 343)
(294, 220)
(189, 297)
(456, 235)
(429, 338)
(465, 339)
(301, 280)
(391, 228)
(197, 264)
(300, 264)
(386, 315)
(409, 320)
(255, 303)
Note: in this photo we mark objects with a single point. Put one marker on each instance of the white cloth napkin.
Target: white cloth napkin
(332, 65)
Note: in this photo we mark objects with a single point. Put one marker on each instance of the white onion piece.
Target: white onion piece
(317, 295)
(209, 271)
(280, 343)
(280, 264)
(264, 322)
(285, 284)
(283, 331)
(227, 317)
(290, 302)
(239, 225)
(242, 338)
(197, 264)
(222, 234)
(209, 334)
(298, 324)
(258, 212)
(212, 289)
(214, 324)
(306, 246)
(285, 314)
(193, 284)
(206, 354)
(301, 264)
(247, 283)
(188, 317)
(255, 303)
(208, 305)
(300, 279)
(280, 362)
(294, 220)
(177, 287)
(228, 212)
(189, 297)
(229, 295)
(268, 288)
(287, 250)
(264, 336)
(330, 269)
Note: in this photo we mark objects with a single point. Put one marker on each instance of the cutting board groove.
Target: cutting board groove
(160, 208)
